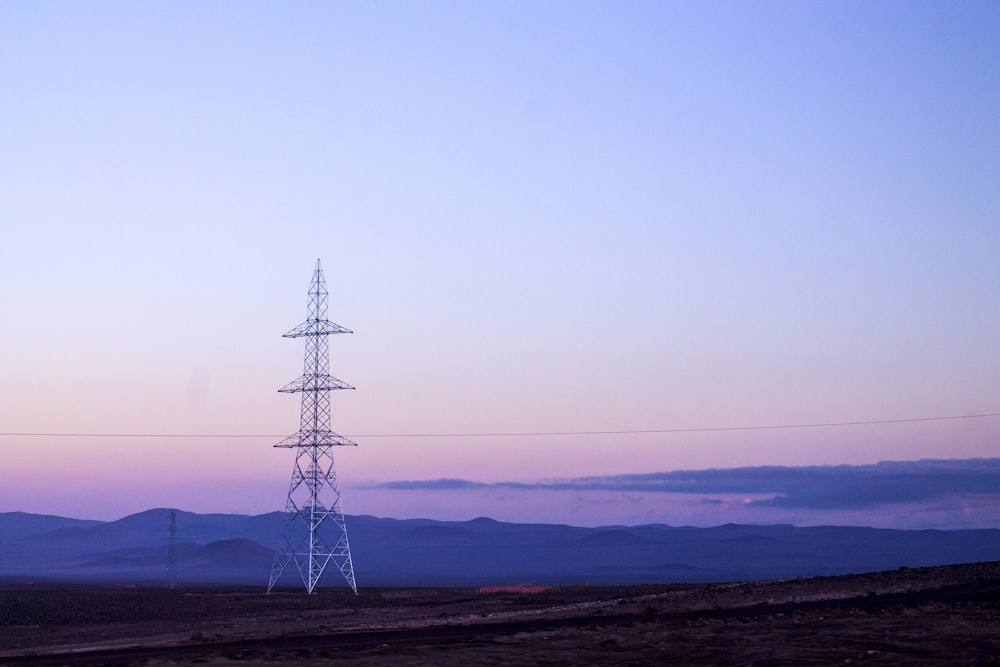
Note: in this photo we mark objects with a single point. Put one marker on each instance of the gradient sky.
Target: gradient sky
(537, 216)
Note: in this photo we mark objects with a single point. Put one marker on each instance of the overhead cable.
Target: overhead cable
(521, 434)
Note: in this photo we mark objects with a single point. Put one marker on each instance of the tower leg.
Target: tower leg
(314, 531)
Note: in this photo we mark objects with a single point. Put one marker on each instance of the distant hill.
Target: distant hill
(15, 525)
(228, 548)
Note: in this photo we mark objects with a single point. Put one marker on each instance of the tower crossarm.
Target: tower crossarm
(314, 382)
(307, 438)
(316, 328)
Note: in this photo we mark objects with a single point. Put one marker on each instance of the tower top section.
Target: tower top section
(316, 323)
(315, 383)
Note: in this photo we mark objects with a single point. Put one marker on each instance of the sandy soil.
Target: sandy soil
(944, 615)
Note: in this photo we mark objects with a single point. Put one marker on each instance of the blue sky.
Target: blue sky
(536, 216)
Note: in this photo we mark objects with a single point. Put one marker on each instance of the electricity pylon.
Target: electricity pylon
(314, 532)
(172, 552)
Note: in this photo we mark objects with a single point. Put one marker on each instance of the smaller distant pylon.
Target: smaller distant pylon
(172, 552)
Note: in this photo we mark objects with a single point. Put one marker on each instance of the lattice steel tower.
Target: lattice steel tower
(172, 551)
(314, 532)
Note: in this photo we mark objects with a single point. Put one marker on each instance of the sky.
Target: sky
(535, 216)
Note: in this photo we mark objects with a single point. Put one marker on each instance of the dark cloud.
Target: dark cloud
(432, 484)
(808, 487)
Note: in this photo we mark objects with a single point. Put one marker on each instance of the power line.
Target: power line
(520, 434)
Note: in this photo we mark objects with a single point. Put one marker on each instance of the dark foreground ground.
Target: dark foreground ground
(942, 615)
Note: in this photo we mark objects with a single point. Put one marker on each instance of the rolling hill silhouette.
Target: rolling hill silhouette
(237, 549)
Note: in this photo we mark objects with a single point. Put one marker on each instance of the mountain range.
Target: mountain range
(238, 549)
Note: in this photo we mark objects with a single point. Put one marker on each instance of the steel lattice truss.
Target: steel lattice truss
(172, 552)
(314, 533)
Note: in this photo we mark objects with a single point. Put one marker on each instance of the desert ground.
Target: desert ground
(940, 615)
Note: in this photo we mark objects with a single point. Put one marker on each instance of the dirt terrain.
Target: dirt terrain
(942, 615)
